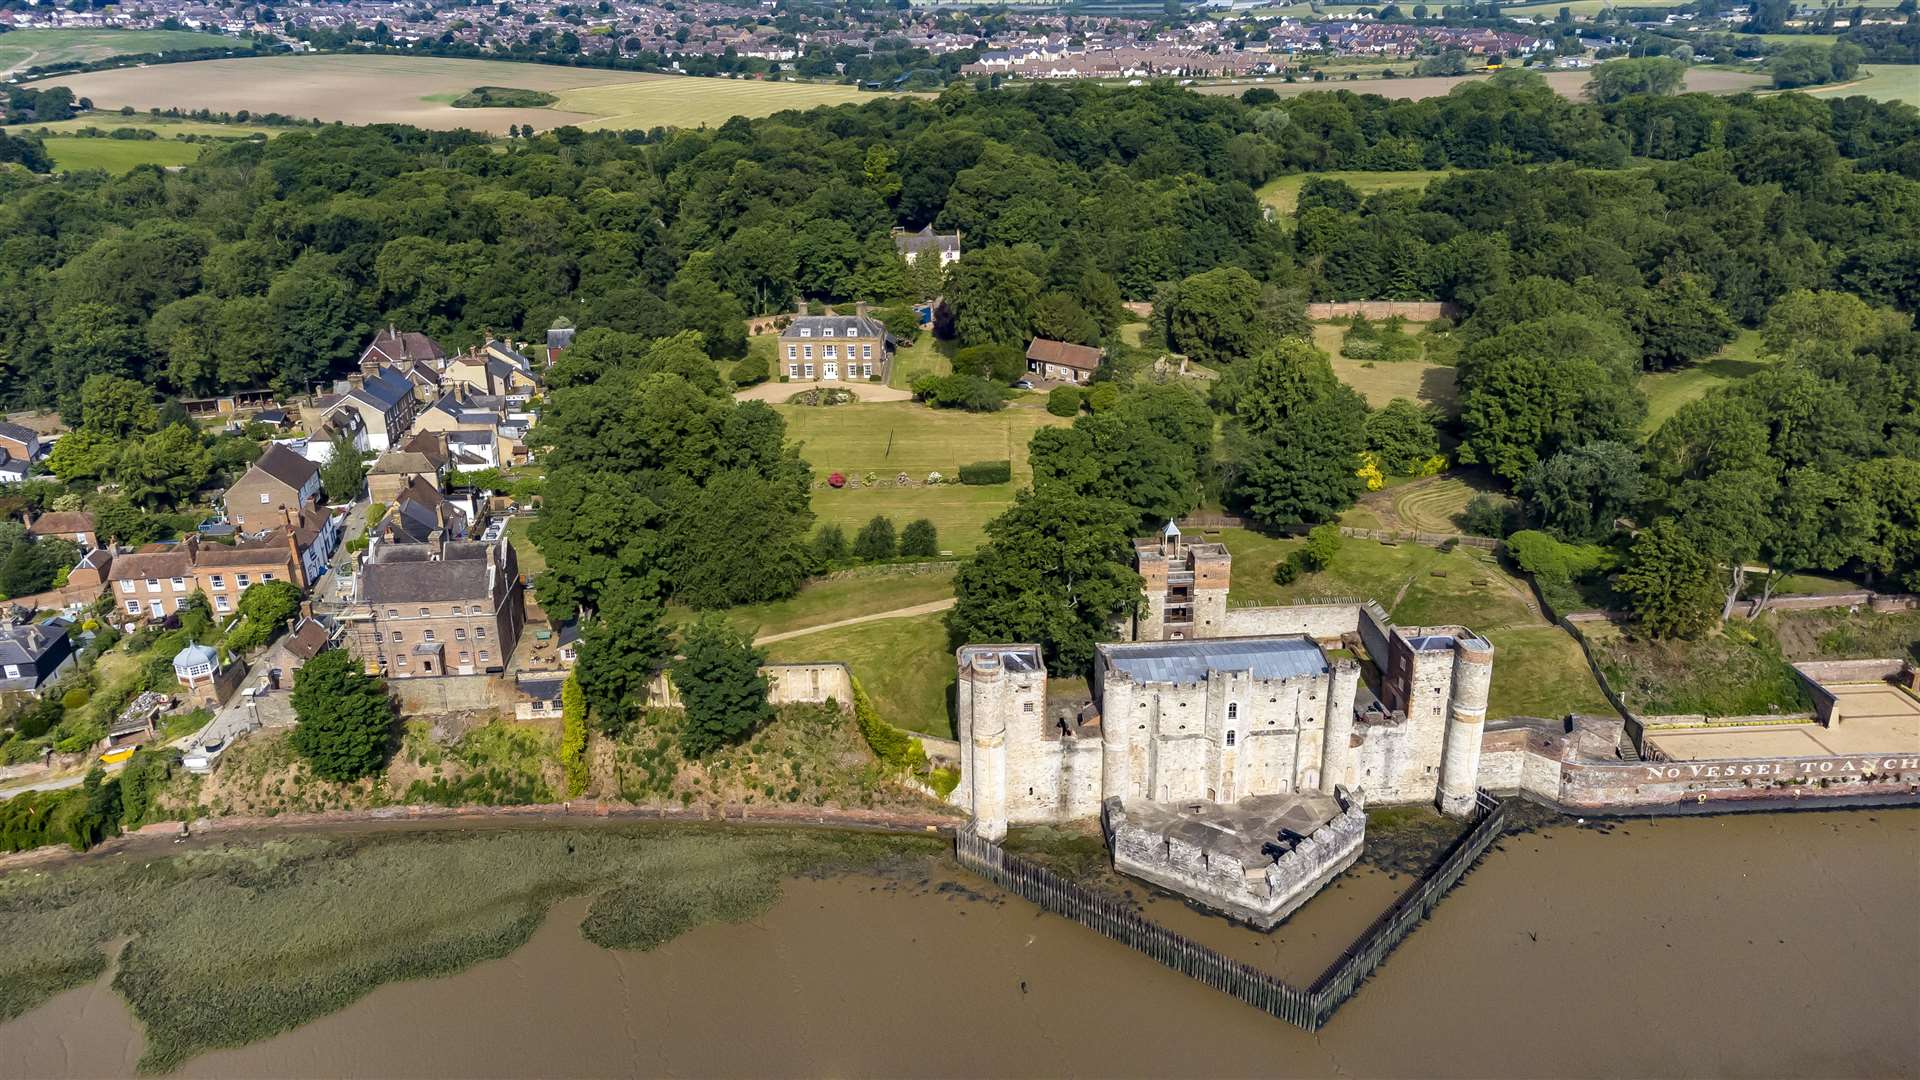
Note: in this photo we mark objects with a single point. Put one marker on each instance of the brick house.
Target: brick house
(437, 608)
(384, 403)
(395, 470)
(836, 348)
(1061, 361)
(396, 347)
(20, 442)
(280, 480)
(157, 580)
(74, 525)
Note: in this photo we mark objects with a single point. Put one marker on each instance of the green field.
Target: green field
(925, 356)
(1882, 82)
(866, 591)
(38, 48)
(1283, 193)
(1667, 391)
(889, 438)
(531, 561)
(656, 100)
(904, 665)
(1540, 671)
(71, 154)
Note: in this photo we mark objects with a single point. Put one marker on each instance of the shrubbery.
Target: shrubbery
(981, 473)
(1065, 400)
(1492, 516)
(1385, 341)
(968, 392)
(876, 540)
(1556, 567)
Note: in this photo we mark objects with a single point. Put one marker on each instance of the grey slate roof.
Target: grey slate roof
(407, 574)
(910, 243)
(17, 433)
(843, 326)
(1189, 661)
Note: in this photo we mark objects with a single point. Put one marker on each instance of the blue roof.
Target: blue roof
(1189, 661)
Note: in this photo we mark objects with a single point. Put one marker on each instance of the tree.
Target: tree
(1521, 407)
(1001, 364)
(990, 292)
(1055, 570)
(265, 606)
(1668, 583)
(83, 457)
(1401, 437)
(1215, 317)
(1577, 494)
(1616, 80)
(1064, 401)
(1678, 323)
(623, 645)
(1305, 470)
(116, 408)
(1323, 543)
(920, 539)
(164, 468)
(829, 545)
(345, 717)
(1836, 320)
(875, 541)
(718, 676)
(345, 474)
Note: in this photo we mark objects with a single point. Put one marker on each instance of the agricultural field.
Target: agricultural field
(117, 156)
(22, 49)
(889, 438)
(1283, 193)
(167, 127)
(421, 91)
(1667, 391)
(1570, 84)
(1882, 82)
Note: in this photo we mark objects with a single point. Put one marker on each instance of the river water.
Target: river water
(1753, 945)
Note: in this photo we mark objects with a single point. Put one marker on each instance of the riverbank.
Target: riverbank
(1750, 944)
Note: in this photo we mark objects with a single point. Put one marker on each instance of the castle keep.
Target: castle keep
(1227, 753)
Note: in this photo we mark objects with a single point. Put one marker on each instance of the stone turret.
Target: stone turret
(1466, 724)
(1336, 756)
(987, 698)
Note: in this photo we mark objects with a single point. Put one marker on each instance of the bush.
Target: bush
(1001, 364)
(983, 473)
(1383, 341)
(573, 736)
(892, 746)
(1323, 543)
(1491, 516)
(1064, 400)
(751, 369)
(957, 391)
(1286, 571)
(876, 540)
(75, 698)
(1102, 397)
(920, 538)
(829, 545)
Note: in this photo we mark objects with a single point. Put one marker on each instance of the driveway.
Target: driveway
(775, 392)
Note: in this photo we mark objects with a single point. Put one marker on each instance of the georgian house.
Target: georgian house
(836, 348)
(280, 480)
(445, 607)
(912, 246)
(157, 580)
(74, 525)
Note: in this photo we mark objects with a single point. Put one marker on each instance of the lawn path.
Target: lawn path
(897, 613)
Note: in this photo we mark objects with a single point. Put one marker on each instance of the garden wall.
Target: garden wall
(1413, 310)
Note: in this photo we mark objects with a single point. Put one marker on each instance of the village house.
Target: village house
(396, 347)
(1062, 361)
(280, 480)
(446, 607)
(836, 348)
(206, 680)
(496, 368)
(942, 246)
(418, 514)
(20, 442)
(31, 654)
(559, 338)
(157, 580)
(394, 470)
(74, 525)
(383, 402)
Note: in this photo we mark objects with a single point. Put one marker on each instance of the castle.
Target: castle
(1226, 751)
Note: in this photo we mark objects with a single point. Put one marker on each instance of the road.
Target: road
(896, 613)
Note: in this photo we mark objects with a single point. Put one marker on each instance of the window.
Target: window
(426, 635)
(377, 639)
(1230, 737)
(133, 607)
(268, 576)
(866, 352)
(13, 671)
(483, 656)
(220, 602)
(460, 633)
(793, 370)
(807, 353)
(153, 584)
(1233, 710)
(179, 584)
(466, 658)
(398, 636)
(218, 581)
(866, 370)
(792, 351)
(806, 331)
(826, 331)
(479, 633)
(263, 497)
(242, 578)
(393, 613)
(423, 613)
(809, 368)
(126, 586)
(1026, 706)
(832, 353)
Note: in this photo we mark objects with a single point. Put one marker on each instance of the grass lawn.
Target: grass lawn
(1433, 505)
(1667, 391)
(866, 592)
(38, 48)
(1539, 671)
(903, 664)
(1882, 82)
(1736, 672)
(531, 561)
(1134, 333)
(1283, 193)
(926, 356)
(1400, 577)
(1380, 381)
(117, 156)
(889, 438)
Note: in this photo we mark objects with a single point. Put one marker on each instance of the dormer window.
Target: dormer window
(806, 331)
(826, 331)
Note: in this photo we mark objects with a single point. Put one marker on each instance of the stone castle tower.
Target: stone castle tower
(1185, 586)
(996, 683)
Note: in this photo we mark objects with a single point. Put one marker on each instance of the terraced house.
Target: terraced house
(836, 348)
(157, 580)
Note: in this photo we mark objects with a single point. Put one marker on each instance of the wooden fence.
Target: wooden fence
(1310, 1008)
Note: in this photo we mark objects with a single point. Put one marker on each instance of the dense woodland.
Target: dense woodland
(1583, 244)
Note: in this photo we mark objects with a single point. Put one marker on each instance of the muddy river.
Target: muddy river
(1759, 945)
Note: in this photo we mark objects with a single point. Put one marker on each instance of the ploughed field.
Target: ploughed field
(420, 90)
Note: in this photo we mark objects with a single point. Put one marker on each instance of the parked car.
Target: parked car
(1024, 384)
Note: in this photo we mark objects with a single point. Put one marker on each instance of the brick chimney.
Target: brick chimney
(293, 550)
(860, 311)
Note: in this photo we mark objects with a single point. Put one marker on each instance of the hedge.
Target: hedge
(891, 745)
(987, 472)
